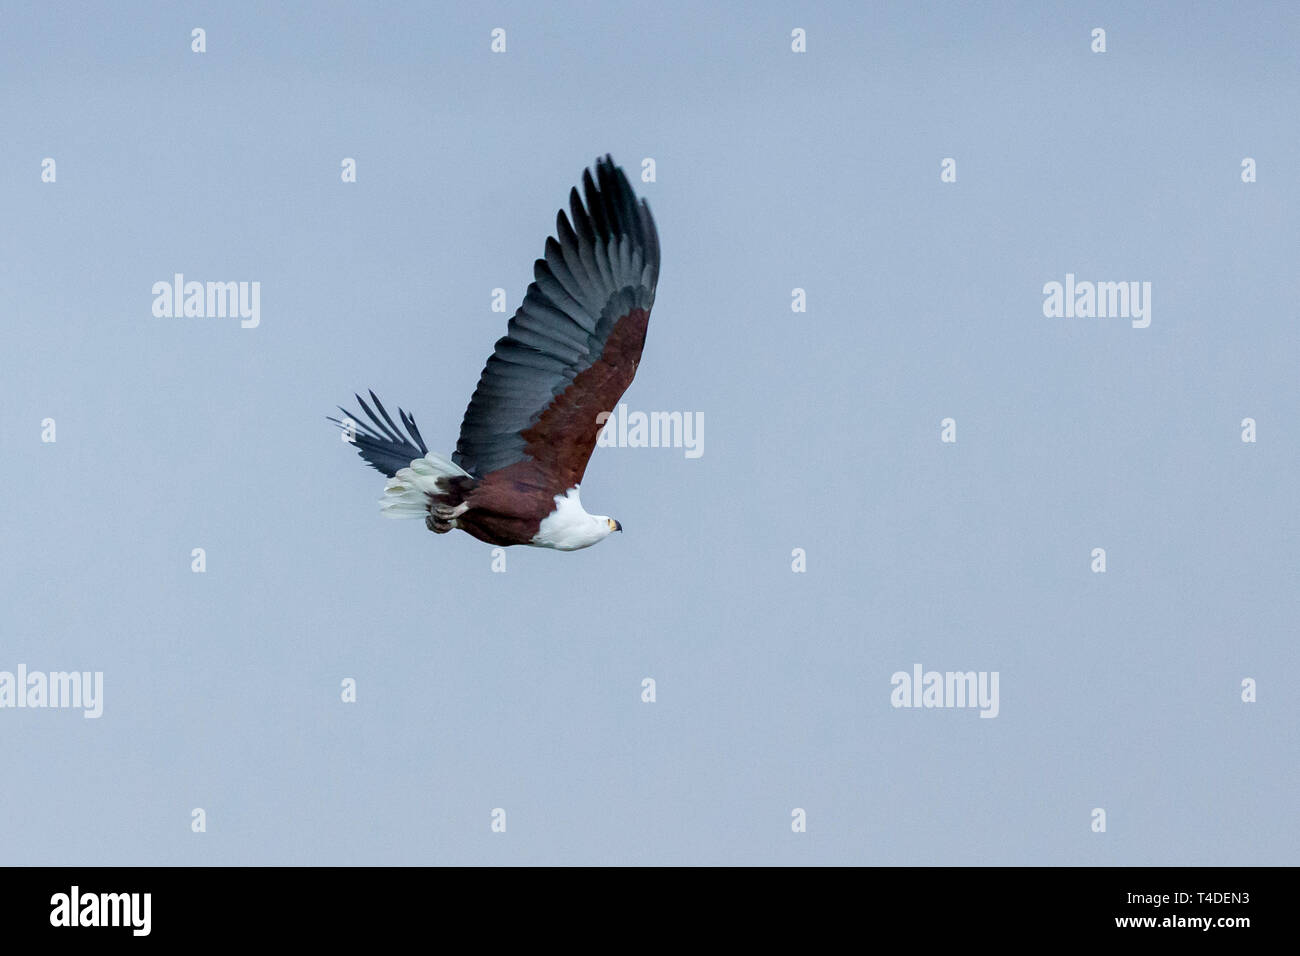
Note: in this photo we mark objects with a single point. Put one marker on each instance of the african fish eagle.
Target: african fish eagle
(569, 353)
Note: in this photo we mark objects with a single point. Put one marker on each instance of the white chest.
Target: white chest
(569, 527)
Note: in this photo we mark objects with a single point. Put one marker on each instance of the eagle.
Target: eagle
(569, 353)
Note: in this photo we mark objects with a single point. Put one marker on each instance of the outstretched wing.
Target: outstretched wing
(572, 348)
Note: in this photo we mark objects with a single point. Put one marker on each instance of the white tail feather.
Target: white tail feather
(407, 494)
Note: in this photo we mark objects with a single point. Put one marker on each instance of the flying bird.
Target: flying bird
(569, 353)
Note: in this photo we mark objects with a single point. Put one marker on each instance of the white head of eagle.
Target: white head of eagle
(569, 353)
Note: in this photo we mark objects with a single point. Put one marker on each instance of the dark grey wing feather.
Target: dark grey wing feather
(380, 441)
(602, 260)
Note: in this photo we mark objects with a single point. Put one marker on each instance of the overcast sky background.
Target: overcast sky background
(522, 690)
